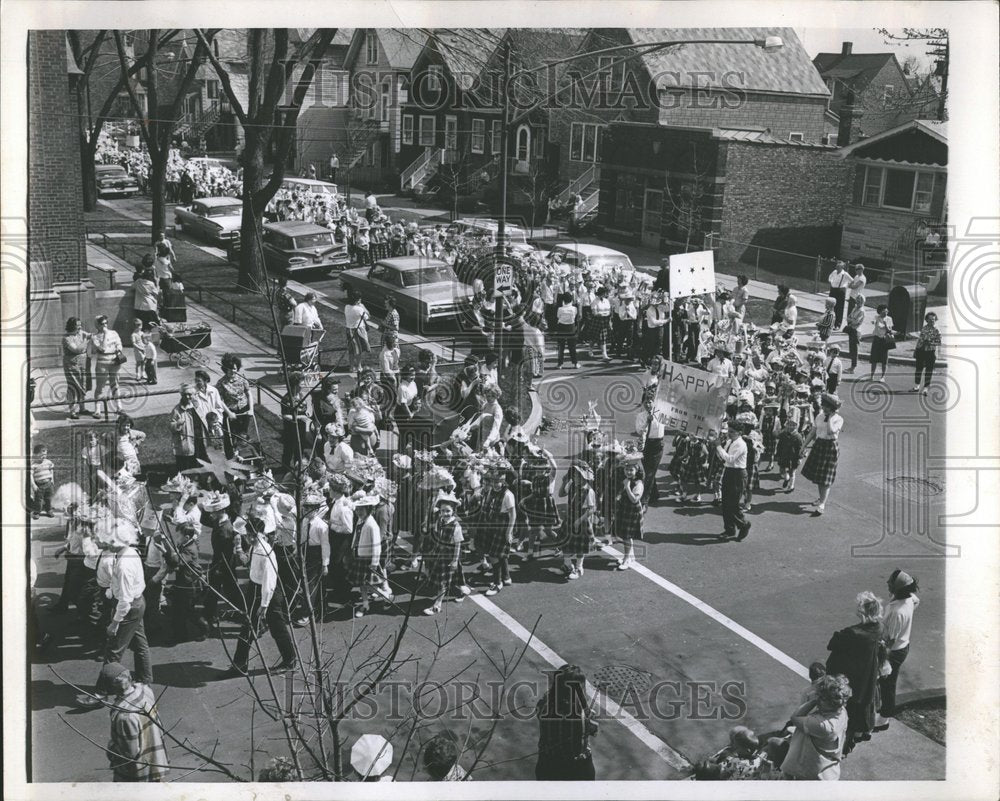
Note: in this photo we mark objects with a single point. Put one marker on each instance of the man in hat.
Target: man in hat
(315, 535)
(734, 456)
(897, 623)
(188, 431)
(222, 569)
(135, 751)
(623, 323)
(720, 364)
(266, 605)
(651, 432)
(126, 629)
(839, 281)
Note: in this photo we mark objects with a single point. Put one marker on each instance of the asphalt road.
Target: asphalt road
(711, 634)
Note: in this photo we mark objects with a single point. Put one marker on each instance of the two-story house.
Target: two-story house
(880, 93)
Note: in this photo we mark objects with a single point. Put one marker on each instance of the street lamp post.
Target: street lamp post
(768, 44)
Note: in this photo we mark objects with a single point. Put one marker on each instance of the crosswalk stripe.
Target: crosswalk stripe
(650, 740)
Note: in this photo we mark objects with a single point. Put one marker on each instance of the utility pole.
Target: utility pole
(501, 221)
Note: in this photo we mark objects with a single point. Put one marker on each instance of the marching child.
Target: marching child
(769, 427)
(628, 509)
(789, 453)
(715, 468)
(42, 481)
(834, 369)
(539, 505)
(694, 470)
(677, 462)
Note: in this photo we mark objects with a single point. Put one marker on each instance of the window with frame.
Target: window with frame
(923, 192)
(451, 133)
(902, 190)
(873, 187)
(371, 48)
(212, 89)
(407, 130)
(887, 92)
(830, 85)
(795, 136)
(435, 73)
(478, 143)
(897, 190)
(583, 142)
(495, 138)
(385, 101)
(426, 133)
(539, 143)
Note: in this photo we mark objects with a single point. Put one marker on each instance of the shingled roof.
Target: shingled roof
(785, 71)
(857, 69)
(467, 50)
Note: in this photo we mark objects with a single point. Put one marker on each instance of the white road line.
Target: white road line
(716, 615)
(650, 740)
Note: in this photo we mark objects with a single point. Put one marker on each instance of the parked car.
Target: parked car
(598, 259)
(295, 246)
(217, 219)
(424, 289)
(486, 229)
(112, 180)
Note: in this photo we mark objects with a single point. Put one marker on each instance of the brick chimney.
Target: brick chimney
(845, 48)
(849, 115)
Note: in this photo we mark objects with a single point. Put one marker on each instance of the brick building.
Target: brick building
(670, 187)
(703, 85)
(58, 286)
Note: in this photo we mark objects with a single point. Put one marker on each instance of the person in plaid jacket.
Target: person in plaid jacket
(135, 751)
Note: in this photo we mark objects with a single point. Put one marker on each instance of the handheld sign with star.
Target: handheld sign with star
(692, 274)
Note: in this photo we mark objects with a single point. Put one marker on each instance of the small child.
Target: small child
(694, 471)
(94, 457)
(389, 359)
(138, 348)
(789, 453)
(743, 760)
(825, 323)
(42, 482)
(214, 439)
(834, 369)
(539, 507)
(149, 357)
(769, 428)
(716, 467)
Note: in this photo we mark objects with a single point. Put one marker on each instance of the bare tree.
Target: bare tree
(158, 128)
(269, 121)
(935, 43)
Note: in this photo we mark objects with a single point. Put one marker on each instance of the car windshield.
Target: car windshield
(610, 262)
(429, 275)
(231, 210)
(313, 240)
(111, 172)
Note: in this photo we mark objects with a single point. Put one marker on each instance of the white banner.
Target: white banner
(692, 274)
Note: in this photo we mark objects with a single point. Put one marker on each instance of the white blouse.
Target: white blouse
(828, 426)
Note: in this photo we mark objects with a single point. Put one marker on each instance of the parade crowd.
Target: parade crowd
(366, 504)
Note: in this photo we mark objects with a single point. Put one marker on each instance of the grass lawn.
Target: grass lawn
(928, 717)
(156, 453)
(759, 312)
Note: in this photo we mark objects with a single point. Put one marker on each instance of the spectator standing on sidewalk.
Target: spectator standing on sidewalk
(882, 342)
(925, 352)
(146, 297)
(897, 623)
(41, 479)
(284, 302)
(856, 287)
(855, 318)
(108, 354)
(76, 365)
(839, 281)
(334, 166)
(163, 266)
(651, 433)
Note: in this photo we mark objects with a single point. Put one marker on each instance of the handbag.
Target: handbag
(120, 357)
(890, 343)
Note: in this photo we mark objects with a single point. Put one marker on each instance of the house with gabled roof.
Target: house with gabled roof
(695, 83)
(870, 93)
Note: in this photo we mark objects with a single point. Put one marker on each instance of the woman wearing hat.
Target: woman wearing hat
(442, 550)
(366, 550)
(222, 569)
(821, 463)
(897, 623)
(628, 509)
(498, 517)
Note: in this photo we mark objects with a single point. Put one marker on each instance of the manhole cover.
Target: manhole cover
(913, 485)
(617, 680)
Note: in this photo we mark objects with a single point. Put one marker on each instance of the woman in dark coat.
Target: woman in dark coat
(565, 727)
(857, 652)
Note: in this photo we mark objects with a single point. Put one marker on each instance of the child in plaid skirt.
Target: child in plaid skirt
(628, 510)
(539, 507)
(693, 471)
(769, 428)
(443, 551)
